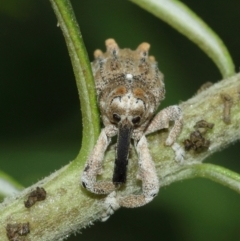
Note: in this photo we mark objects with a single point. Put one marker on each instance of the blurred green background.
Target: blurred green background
(40, 121)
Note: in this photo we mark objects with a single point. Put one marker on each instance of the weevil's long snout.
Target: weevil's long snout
(121, 160)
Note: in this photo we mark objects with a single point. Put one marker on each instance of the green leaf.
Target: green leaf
(8, 185)
(184, 20)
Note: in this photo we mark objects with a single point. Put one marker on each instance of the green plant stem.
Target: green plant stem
(83, 75)
(180, 17)
(68, 208)
(215, 173)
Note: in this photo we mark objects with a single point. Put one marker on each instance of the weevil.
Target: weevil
(129, 89)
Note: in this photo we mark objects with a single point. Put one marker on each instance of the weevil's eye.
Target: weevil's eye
(136, 120)
(116, 117)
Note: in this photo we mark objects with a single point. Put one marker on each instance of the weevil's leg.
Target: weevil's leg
(147, 174)
(179, 152)
(110, 205)
(150, 184)
(161, 121)
(93, 166)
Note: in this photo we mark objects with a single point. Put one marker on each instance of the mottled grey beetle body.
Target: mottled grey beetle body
(129, 89)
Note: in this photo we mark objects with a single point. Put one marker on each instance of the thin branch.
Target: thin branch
(215, 173)
(83, 75)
